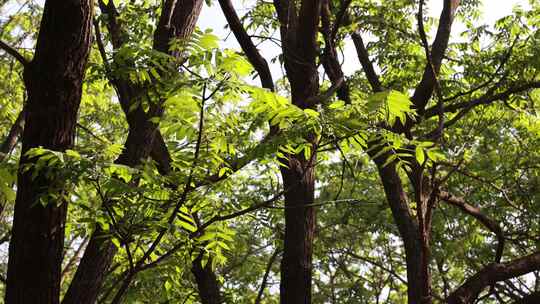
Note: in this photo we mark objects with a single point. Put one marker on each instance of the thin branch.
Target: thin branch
(127, 281)
(233, 215)
(503, 62)
(13, 136)
(465, 107)
(475, 212)
(266, 275)
(85, 129)
(13, 52)
(377, 264)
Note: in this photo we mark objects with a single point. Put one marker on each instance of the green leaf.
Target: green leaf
(189, 227)
(420, 155)
(311, 113)
(209, 41)
(337, 104)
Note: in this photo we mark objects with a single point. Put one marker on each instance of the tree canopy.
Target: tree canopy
(328, 151)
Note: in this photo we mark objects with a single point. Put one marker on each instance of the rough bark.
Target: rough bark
(299, 32)
(493, 273)
(296, 264)
(144, 139)
(53, 82)
(207, 283)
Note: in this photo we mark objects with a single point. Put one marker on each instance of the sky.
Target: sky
(493, 10)
(212, 17)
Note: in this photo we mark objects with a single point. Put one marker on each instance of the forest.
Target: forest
(269, 151)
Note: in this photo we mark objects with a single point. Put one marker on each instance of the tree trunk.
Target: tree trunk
(54, 86)
(207, 282)
(177, 21)
(296, 264)
(407, 226)
(299, 31)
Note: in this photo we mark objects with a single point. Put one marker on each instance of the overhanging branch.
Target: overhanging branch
(491, 274)
(475, 212)
(14, 53)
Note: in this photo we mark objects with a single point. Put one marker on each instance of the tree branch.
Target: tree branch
(367, 65)
(465, 107)
(329, 57)
(425, 88)
(475, 212)
(492, 274)
(340, 17)
(11, 139)
(266, 275)
(327, 94)
(377, 264)
(13, 52)
(251, 52)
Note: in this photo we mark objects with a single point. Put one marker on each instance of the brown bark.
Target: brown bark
(249, 48)
(13, 136)
(329, 59)
(296, 264)
(206, 280)
(54, 86)
(407, 226)
(425, 88)
(144, 139)
(300, 53)
(493, 273)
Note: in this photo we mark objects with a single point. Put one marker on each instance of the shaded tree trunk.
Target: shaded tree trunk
(296, 264)
(144, 139)
(299, 30)
(407, 226)
(53, 82)
(207, 282)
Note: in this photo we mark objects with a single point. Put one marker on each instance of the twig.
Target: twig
(266, 275)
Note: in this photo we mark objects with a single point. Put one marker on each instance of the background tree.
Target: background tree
(53, 80)
(422, 138)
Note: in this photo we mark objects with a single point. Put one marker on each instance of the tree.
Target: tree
(53, 82)
(414, 144)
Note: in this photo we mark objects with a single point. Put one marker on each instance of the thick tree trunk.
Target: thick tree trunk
(407, 226)
(177, 21)
(296, 264)
(54, 86)
(207, 282)
(300, 49)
